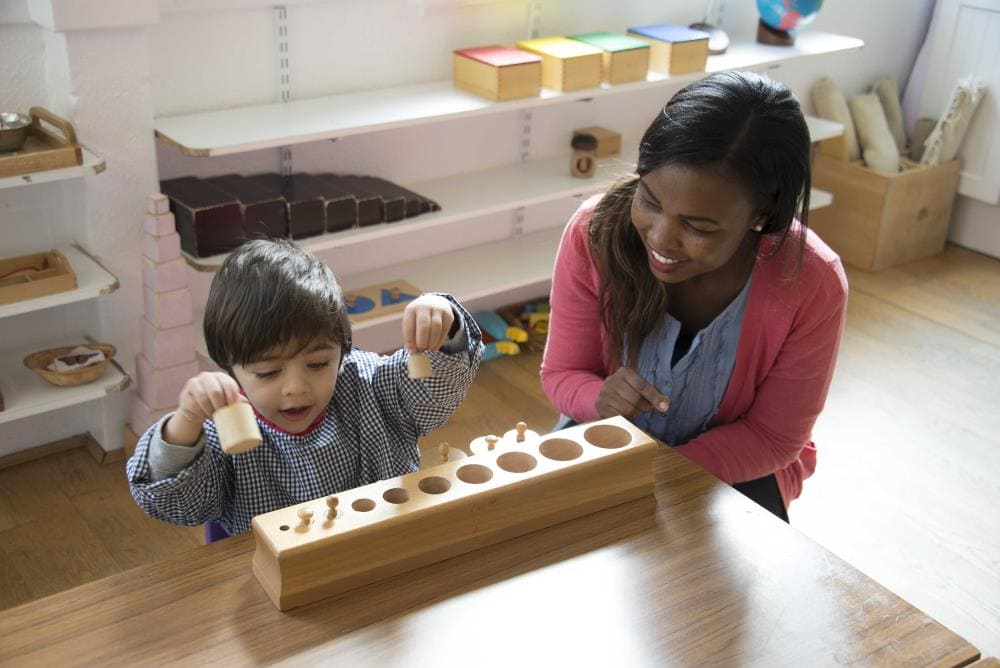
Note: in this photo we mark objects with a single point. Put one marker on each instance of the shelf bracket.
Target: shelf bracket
(534, 18)
(517, 229)
(284, 76)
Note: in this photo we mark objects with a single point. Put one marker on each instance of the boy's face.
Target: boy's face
(292, 387)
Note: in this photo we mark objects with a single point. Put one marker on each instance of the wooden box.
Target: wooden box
(878, 220)
(566, 64)
(322, 547)
(341, 206)
(209, 221)
(391, 204)
(608, 141)
(263, 207)
(35, 275)
(674, 49)
(369, 203)
(624, 58)
(497, 72)
(43, 150)
(304, 202)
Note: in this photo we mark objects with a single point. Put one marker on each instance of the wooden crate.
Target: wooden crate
(35, 275)
(624, 58)
(497, 72)
(566, 64)
(43, 150)
(878, 220)
(674, 49)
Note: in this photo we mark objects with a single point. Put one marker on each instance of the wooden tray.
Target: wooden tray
(43, 150)
(35, 275)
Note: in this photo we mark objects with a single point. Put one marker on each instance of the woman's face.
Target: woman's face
(691, 220)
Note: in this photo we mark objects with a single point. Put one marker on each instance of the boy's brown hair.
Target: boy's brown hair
(269, 294)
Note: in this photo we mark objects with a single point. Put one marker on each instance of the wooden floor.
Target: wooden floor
(907, 489)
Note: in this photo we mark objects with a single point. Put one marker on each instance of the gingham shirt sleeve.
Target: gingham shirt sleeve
(417, 407)
(168, 488)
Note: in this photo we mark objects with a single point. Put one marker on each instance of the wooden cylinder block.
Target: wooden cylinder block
(418, 366)
(399, 524)
(237, 428)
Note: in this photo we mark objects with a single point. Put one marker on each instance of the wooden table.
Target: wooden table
(705, 577)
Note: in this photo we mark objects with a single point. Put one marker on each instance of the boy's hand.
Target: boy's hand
(199, 399)
(426, 323)
(627, 393)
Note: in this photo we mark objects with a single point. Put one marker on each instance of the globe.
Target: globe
(788, 14)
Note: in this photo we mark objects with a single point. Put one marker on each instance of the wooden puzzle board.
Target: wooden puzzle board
(402, 523)
(378, 300)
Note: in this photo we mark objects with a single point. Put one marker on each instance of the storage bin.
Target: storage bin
(878, 220)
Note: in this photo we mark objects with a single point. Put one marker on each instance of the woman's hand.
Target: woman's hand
(627, 393)
(426, 323)
(200, 397)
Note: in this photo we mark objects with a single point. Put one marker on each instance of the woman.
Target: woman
(689, 299)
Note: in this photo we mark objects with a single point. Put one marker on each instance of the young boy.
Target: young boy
(332, 417)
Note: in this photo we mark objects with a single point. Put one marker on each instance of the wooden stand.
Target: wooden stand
(768, 35)
(399, 524)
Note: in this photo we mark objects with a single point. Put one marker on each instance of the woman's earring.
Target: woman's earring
(758, 228)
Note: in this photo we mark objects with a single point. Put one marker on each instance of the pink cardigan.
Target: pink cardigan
(784, 363)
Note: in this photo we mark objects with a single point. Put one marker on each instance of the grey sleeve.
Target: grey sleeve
(166, 460)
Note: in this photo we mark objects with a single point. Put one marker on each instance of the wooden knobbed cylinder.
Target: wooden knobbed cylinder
(237, 428)
(419, 366)
(583, 164)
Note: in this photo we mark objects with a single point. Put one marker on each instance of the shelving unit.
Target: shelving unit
(92, 280)
(92, 164)
(250, 128)
(510, 268)
(504, 188)
(25, 394)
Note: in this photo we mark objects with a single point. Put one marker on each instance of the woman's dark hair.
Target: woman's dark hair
(742, 126)
(269, 294)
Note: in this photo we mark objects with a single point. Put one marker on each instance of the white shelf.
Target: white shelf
(820, 128)
(92, 164)
(470, 195)
(265, 126)
(26, 394)
(92, 280)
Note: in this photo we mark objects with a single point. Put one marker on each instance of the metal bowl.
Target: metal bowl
(13, 130)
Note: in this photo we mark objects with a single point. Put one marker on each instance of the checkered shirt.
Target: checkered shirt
(369, 433)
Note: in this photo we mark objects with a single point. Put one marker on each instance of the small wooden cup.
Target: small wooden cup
(237, 428)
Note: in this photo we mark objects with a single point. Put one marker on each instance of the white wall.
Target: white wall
(178, 56)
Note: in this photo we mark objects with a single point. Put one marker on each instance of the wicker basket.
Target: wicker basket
(39, 362)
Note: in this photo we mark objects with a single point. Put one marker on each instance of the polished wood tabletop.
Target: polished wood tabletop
(695, 575)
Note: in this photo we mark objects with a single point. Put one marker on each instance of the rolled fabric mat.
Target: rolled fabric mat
(888, 96)
(877, 145)
(830, 104)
